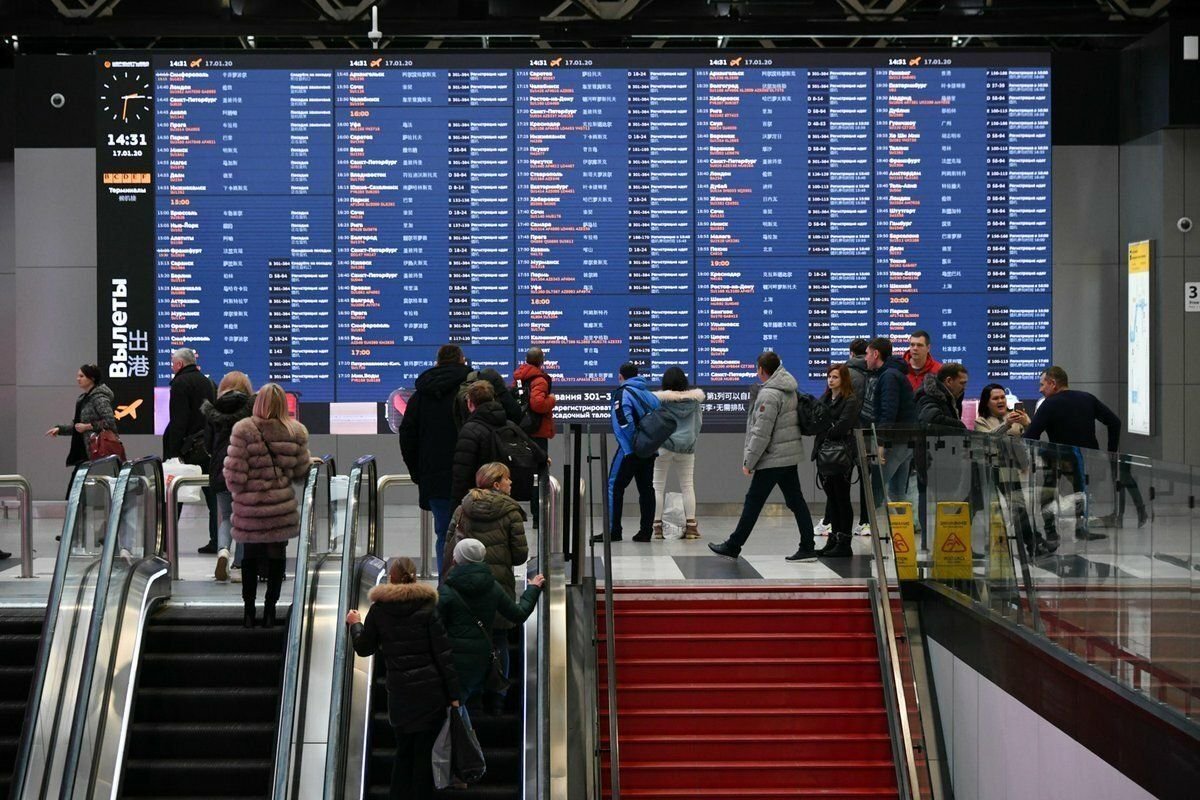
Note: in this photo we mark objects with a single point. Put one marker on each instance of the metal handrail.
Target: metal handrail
(549, 511)
(335, 763)
(172, 521)
(91, 651)
(25, 498)
(290, 683)
(898, 720)
(383, 484)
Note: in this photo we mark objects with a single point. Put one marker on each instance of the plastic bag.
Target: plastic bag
(457, 756)
(174, 468)
(673, 517)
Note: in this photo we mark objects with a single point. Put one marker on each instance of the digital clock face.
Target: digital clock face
(125, 96)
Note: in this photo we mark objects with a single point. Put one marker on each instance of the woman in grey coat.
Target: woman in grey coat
(686, 407)
(93, 413)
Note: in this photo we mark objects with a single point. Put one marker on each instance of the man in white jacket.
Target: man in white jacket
(772, 452)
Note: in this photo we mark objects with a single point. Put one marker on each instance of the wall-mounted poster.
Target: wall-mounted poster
(1140, 383)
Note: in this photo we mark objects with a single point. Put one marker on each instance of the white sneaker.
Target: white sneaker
(235, 575)
(822, 529)
(862, 530)
(128, 556)
(222, 571)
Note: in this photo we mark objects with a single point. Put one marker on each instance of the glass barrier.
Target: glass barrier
(1095, 551)
(50, 712)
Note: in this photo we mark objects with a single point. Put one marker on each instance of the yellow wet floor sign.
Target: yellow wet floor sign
(904, 544)
(952, 542)
(999, 557)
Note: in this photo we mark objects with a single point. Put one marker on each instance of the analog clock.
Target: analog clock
(125, 96)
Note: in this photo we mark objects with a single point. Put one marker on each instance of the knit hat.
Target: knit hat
(469, 551)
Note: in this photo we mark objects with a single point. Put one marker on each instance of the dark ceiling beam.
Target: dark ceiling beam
(775, 29)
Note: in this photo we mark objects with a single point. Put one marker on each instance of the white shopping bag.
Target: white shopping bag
(174, 468)
(673, 518)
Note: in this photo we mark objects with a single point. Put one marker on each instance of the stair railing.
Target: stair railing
(890, 629)
(25, 504)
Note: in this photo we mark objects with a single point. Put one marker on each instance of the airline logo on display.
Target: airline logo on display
(128, 410)
(951, 552)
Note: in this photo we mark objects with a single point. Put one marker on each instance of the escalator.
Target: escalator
(501, 737)
(208, 693)
(20, 632)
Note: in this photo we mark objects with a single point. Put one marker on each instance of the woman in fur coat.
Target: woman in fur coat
(266, 453)
(403, 625)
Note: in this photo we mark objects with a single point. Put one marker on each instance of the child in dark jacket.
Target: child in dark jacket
(403, 625)
(468, 601)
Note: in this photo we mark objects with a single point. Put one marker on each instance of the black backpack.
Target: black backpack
(812, 415)
(461, 414)
(531, 420)
(513, 448)
(651, 429)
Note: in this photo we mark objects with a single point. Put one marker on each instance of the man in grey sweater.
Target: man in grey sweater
(772, 452)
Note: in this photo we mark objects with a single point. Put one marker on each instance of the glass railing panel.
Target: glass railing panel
(50, 711)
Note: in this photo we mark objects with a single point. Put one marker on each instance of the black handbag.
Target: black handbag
(834, 457)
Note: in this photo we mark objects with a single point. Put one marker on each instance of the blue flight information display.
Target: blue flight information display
(327, 221)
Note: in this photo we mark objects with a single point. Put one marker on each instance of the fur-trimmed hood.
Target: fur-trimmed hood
(670, 396)
(403, 593)
(228, 409)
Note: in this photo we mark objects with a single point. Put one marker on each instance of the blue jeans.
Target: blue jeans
(442, 510)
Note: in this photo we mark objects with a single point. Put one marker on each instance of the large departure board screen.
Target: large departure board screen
(328, 220)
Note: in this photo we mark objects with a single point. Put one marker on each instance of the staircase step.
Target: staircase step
(779, 747)
(748, 721)
(746, 670)
(717, 696)
(706, 602)
(716, 644)
(635, 619)
(751, 776)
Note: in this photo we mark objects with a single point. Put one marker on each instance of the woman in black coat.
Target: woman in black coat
(844, 406)
(234, 403)
(404, 626)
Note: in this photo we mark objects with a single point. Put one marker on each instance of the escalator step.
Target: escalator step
(210, 669)
(501, 731)
(503, 764)
(176, 638)
(14, 682)
(201, 705)
(12, 715)
(200, 739)
(470, 793)
(190, 616)
(232, 776)
(19, 650)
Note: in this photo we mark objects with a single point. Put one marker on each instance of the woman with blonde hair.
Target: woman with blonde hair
(234, 402)
(267, 452)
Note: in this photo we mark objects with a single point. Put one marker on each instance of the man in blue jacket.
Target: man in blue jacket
(631, 401)
(890, 396)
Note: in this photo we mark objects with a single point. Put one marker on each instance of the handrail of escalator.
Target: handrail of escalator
(105, 467)
(549, 511)
(363, 471)
(290, 684)
(91, 654)
(907, 777)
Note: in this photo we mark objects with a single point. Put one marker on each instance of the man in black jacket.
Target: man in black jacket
(1068, 417)
(190, 388)
(474, 446)
(428, 434)
(939, 396)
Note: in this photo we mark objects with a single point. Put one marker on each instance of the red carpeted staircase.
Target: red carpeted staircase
(737, 693)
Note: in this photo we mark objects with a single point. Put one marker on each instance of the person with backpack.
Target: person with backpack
(507, 399)
(632, 402)
(487, 436)
(771, 456)
(686, 405)
(428, 433)
(535, 396)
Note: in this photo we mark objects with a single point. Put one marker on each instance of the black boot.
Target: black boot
(248, 619)
(830, 541)
(268, 616)
(841, 546)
